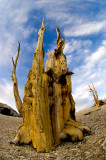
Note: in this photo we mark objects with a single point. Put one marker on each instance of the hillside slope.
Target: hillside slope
(7, 110)
(91, 148)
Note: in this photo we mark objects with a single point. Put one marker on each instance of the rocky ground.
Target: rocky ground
(91, 148)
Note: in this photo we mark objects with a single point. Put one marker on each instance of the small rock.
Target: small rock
(104, 144)
(87, 152)
(22, 157)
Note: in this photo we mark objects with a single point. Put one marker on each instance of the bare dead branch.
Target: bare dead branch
(15, 63)
(18, 101)
(95, 96)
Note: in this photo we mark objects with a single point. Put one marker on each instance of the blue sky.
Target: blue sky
(83, 26)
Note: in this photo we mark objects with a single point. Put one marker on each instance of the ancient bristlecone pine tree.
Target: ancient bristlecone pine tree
(95, 95)
(48, 108)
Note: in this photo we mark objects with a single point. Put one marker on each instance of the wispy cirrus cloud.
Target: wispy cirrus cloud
(81, 24)
(96, 56)
(93, 68)
(13, 17)
(76, 45)
(76, 50)
(86, 29)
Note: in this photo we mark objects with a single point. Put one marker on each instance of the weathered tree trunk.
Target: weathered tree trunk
(48, 108)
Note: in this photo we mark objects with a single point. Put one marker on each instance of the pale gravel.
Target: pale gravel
(90, 148)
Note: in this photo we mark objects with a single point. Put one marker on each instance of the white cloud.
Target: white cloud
(76, 21)
(104, 42)
(76, 45)
(13, 16)
(6, 93)
(86, 29)
(86, 73)
(96, 56)
(83, 103)
(80, 91)
(7, 50)
(69, 59)
(76, 51)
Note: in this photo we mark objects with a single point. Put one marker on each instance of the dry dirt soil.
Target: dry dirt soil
(91, 148)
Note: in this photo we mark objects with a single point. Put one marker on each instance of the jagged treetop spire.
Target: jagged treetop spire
(60, 42)
(37, 66)
(43, 22)
(58, 35)
(42, 29)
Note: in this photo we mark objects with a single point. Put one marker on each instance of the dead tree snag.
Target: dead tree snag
(48, 108)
